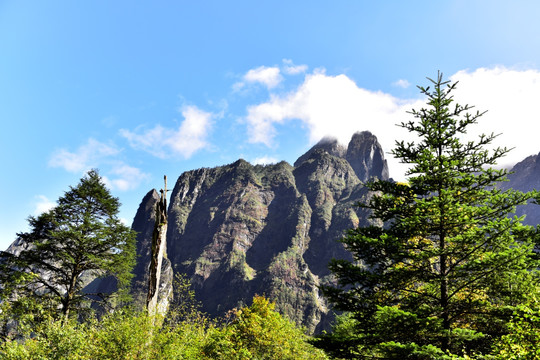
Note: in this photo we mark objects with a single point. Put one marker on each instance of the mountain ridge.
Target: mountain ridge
(238, 230)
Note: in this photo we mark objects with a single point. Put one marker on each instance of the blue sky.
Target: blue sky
(143, 89)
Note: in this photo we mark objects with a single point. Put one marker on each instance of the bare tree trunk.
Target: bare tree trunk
(159, 242)
(70, 293)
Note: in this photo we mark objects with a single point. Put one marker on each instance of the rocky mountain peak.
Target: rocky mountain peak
(328, 144)
(366, 157)
(525, 176)
(364, 154)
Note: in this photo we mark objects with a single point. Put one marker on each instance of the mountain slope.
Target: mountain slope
(241, 229)
(525, 177)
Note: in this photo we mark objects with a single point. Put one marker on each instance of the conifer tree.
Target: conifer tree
(443, 264)
(80, 239)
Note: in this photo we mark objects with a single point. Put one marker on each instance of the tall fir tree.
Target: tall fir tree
(80, 239)
(443, 265)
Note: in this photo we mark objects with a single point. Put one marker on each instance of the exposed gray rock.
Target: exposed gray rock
(240, 230)
(328, 144)
(366, 157)
(526, 177)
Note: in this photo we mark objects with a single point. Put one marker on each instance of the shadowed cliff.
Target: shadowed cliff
(240, 229)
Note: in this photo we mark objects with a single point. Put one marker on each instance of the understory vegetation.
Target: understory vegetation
(254, 332)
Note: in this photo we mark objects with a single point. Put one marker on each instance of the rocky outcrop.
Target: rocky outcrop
(366, 157)
(525, 177)
(241, 229)
(327, 144)
(363, 153)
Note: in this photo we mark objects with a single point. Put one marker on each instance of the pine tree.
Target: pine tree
(80, 239)
(443, 264)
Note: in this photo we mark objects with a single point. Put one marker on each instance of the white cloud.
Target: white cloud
(265, 160)
(190, 137)
(330, 105)
(510, 97)
(87, 156)
(43, 205)
(291, 69)
(267, 76)
(336, 106)
(402, 83)
(124, 177)
(95, 154)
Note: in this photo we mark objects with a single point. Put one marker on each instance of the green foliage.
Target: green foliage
(443, 266)
(259, 332)
(55, 341)
(522, 341)
(344, 341)
(121, 336)
(184, 307)
(78, 240)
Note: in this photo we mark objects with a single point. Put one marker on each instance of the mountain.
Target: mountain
(241, 229)
(525, 177)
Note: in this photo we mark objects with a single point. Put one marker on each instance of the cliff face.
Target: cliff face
(526, 177)
(240, 230)
(367, 157)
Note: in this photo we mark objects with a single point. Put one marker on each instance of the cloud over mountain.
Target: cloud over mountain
(334, 105)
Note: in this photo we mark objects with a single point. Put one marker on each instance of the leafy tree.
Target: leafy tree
(116, 336)
(184, 307)
(442, 265)
(78, 240)
(260, 332)
(524, 335)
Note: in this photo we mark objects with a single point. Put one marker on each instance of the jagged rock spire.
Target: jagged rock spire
(364, 154)
(366, 157)
(328, 144)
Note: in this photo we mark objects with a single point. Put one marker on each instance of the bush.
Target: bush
(255, 332)
(522, 341)
(259, 332)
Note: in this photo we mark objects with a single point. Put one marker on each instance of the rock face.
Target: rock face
(526, 177)
(367, 157)
(328, 144)
(240, 230)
